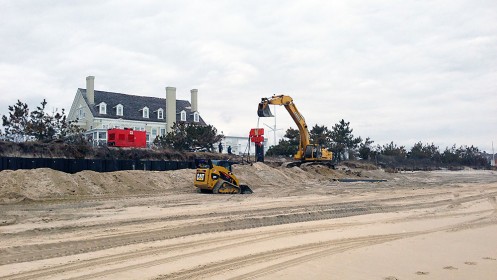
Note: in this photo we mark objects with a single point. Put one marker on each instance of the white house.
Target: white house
(96, 111)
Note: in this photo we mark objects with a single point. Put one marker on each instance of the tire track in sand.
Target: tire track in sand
(241, 239)
(50, 250)
(331, 247)
(311, 251)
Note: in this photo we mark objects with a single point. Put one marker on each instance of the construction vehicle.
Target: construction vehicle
(216, 176)
(306, 152)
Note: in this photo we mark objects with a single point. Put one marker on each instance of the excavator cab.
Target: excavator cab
(313, 152)
(263, 109)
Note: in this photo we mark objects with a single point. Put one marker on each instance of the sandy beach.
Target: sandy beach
(300, 223)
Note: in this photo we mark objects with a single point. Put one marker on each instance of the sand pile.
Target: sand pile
(43, 184)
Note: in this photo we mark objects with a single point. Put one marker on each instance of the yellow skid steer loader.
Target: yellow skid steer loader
(216, 176)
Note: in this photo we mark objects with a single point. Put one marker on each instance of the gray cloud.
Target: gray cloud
(398, 71)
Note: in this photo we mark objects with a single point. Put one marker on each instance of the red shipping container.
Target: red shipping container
(126, 138)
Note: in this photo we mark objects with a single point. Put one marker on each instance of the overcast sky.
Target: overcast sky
(402, 71)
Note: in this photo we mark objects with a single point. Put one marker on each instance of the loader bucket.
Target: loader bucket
(263, 110)
(244, 189)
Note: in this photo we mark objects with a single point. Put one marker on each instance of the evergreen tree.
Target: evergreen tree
(186, 136)
(428, 151)
(286, 147)
(450, 155)
(343, 139)
(321, 135)
(203, 136)
(392, 149)
(40, 123)
(366, 150)
(15, 125)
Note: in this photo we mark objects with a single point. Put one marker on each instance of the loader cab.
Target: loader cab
(209, 164)
(203, 163)
(223, 163)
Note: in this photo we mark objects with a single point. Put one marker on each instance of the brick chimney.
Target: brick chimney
(90, 89)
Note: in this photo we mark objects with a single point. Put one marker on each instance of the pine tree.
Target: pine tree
(343, 139)
(15, 125)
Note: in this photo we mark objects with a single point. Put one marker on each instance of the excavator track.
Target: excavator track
(291, 164)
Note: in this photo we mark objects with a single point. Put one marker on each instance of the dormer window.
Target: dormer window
(145, 112)
(183, 116)
(196, 117)
(160, 114)
(102, 108)
(119, 110)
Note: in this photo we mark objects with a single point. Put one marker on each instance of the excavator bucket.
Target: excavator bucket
(263, 110)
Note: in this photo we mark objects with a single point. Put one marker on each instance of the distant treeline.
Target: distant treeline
(345, 145)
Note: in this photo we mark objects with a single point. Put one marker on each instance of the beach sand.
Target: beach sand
(299, 223)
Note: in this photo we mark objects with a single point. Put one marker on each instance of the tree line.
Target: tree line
(21, 125)
(189, 137)
(341, 141)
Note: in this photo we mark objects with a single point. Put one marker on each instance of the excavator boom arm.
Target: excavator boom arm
(287, 101)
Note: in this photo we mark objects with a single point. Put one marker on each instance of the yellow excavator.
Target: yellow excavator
(306, 152)
(216, 176)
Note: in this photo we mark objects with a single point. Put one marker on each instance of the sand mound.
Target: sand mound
(43, 184)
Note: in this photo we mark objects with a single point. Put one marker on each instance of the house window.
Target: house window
(183, 116)
(102, 135)
(162, 131)
(145, 112)
(196, 117)
(80, 112)
(160, 114)
(119, 110)
(103, 108)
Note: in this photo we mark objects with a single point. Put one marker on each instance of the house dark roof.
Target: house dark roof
(133, 106)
